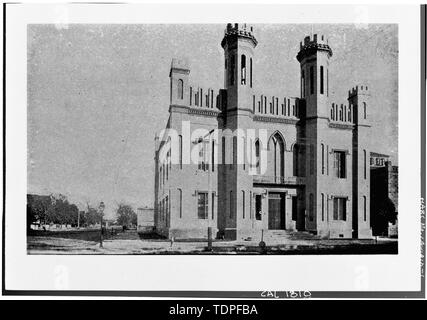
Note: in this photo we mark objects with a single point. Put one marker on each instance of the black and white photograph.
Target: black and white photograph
(228, 139)
(151, 136)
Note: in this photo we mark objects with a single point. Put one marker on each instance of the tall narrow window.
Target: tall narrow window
(364, 208)
(364, 164)
(213, 205)
(311, 80)
(340, 164)
(327, 160)
(340, 207)
(234, 150)
(257, 157)
(321, 80)
(223, 150)
(250, 205)
(213, 156)
(180, 151)
(202, 205)
(323, 158)
(243, 70)
(232, 70)
(323, 207)
(180, 202)
(180, 89)
(258, 207)
(250, 65)
(243, 203)
(364, 110)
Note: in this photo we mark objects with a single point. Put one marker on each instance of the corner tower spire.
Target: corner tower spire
(238, 43)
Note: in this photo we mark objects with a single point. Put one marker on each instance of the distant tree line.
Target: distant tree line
(56, 209)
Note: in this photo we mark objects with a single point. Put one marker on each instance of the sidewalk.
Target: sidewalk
(48, 245)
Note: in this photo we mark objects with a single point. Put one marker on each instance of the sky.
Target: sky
(97, 94)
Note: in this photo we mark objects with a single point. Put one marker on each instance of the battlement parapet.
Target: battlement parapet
(341, 113)
(207, 98)
(284, 107)
(312, 44)
(241, 30)
(358, 90)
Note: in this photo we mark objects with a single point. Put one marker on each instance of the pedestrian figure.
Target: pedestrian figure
(172, 241)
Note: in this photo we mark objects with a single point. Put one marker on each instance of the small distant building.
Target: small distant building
(384, 195)
(145, 219)
(378, 160)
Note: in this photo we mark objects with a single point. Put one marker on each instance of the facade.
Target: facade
(145, 219)
(263, 162)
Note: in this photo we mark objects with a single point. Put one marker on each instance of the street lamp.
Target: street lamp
(101, 213)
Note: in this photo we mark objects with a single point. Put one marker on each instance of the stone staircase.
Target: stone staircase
(284, 236)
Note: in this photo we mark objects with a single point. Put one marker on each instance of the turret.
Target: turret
(238, 44)
(358, 99)
(314, 58)
(179, 88)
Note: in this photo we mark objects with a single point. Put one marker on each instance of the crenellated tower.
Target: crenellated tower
(314, 58)
(359, 102)
(239, 44)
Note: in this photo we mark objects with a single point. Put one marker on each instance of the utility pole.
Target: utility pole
(101, 212)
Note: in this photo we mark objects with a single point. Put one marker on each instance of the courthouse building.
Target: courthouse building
(308, 163)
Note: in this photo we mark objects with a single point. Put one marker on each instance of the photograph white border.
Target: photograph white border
(399, 272)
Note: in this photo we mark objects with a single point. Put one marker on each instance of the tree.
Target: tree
(91, 216)
(51, 209)
(126, 215)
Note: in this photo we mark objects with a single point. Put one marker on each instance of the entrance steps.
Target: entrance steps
(282, 236)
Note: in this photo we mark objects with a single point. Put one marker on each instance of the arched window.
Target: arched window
(213, 156)
(364, 164)
(321, 80)
(180, 151)
(243, 70)
(180, 89)
(243, 203)
(250, 62)
(180, 202)
(364, 110)
(257, 157)
(323, 158)
(277, 149)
